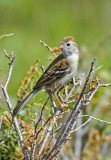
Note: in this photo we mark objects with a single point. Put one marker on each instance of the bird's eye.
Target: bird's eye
(68, 44)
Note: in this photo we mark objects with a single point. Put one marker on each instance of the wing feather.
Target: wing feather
(56, 70)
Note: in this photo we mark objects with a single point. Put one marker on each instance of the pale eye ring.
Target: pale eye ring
(68, 44)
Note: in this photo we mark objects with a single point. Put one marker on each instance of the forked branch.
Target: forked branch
(4, 88)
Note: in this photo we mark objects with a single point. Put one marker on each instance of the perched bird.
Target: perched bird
(59, 72)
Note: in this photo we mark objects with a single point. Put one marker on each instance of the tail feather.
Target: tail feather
(23, 102)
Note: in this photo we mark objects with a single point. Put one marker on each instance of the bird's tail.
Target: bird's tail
(23, 102)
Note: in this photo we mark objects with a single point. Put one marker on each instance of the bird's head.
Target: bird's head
(68, 46)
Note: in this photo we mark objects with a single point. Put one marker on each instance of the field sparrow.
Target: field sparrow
(59, 72)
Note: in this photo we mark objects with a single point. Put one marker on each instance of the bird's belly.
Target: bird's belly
(66, 79)
(59, 83)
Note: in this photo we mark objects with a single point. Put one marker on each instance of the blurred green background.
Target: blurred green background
(89, 21)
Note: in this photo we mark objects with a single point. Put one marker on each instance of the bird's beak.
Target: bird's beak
(61, 46)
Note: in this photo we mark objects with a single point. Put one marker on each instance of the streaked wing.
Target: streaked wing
(56, 70)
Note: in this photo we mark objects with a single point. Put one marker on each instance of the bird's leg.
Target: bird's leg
(54, 92)
(62, 107)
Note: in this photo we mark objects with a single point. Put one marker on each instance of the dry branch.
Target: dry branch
(6, 35)
(4, 88)
(69, 124)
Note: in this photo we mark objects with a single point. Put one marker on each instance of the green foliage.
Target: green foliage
(9, 147)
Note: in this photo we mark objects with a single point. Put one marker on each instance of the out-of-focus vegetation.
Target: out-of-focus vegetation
(33, 20)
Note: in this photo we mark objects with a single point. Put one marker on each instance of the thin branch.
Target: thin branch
(55, 112)
(96, 110)
(81, 125)
(41, 139)
(4, 88)
(54, 155)
(48, 132)
(46, 137)
(92, 117)
(52, 100)
(105, 85)
(10, 121)
(78, 138)
(49, 48)
(97, 69)
(72, 89)
(48, 148)
(6, 35)
(35, 131)
(58, 128)
(52, 135)
(43, 126)
(73, 116)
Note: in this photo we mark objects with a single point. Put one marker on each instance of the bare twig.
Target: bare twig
(105, 85)
(92, 117)
(75, 112)
(81, 125)
(82, 129)
(47, 136)
(41, 140)
(6, 35)
(35, 131)
(10, 121)
(70, 93)
(49, 48)
(4, 88)
(55, 112)
(97, 69)
(78, 138)
(96, 110)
